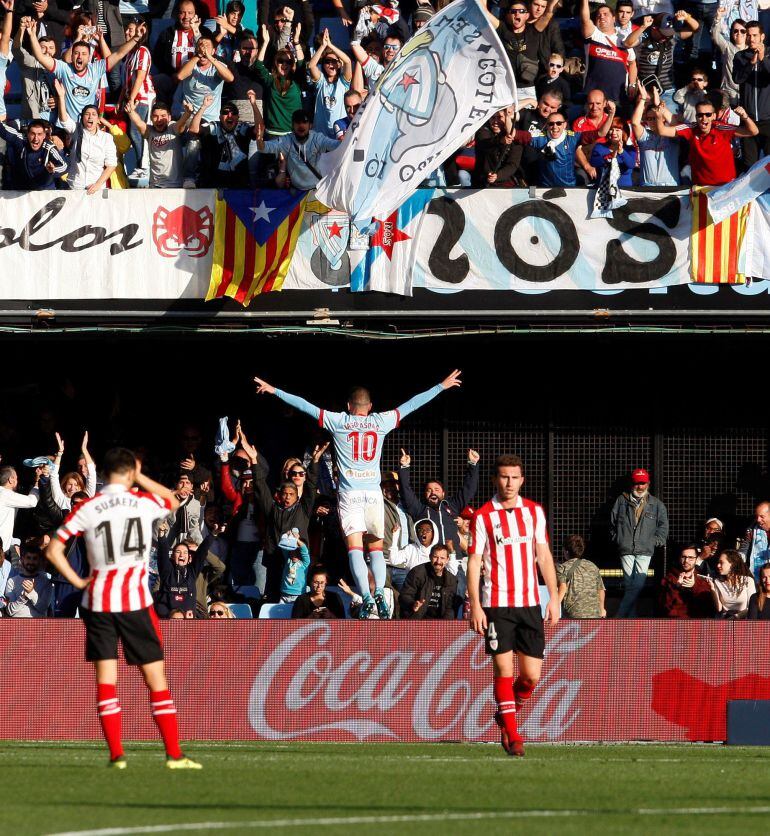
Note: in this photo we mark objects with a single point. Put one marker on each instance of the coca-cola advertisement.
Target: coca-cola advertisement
(372, 681)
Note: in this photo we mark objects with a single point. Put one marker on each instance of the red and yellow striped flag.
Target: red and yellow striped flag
(255, 234)
(716, 249)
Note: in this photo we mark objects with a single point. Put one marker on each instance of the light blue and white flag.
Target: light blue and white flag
(448, 79)
(728, 199)
(386, 265)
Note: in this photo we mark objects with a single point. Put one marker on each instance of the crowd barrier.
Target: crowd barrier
(349, 681)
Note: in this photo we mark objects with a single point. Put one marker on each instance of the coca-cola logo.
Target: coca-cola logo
(309, 686)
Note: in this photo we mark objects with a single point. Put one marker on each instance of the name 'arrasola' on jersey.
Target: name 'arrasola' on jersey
(117, 526)
(505, 539)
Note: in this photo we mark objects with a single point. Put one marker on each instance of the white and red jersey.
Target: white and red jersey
(138, 59)
(506, 538)
(117, 526)
(182, 47)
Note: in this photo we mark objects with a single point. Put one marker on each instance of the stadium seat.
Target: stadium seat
(545, 598)
(249, 592)
(241, 610)
(276, 610)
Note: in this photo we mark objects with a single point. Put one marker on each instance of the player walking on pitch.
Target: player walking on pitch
(358, 435)
(117, 526)
(508, 535)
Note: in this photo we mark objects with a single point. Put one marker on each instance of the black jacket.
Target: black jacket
(444, 515)
(753, 81)
(279, 520)
(418, 586)
(177, 583)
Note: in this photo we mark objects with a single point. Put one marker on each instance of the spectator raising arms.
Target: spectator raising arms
(711, 151)
(434, 504)
(331, 83)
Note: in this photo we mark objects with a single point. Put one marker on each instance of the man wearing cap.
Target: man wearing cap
(638, 524)
(301, 149)
(654, 42)
(225, 146)
(11, 502)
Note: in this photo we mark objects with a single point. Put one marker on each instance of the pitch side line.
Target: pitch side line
(426, 817)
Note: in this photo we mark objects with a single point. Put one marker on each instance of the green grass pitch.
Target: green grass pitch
(254, 788)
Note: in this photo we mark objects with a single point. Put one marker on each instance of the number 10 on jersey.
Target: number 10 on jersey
(364, 445)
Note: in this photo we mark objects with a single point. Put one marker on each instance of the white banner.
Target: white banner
(143, 244)
(501, 239)
(158, 244)
(447, 80)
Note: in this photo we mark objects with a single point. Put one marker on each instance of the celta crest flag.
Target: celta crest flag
(447, 81)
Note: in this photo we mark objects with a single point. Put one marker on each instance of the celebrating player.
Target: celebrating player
(358, 435)
(117, 526)
(509, 535)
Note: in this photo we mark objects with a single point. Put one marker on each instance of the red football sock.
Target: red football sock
(522, 691)
(506, 705)
(108, 707)
(164, 714)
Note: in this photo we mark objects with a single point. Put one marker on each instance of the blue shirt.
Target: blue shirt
(294, 578)
(560, 171)
(80, 90)
(358, 438)
(329, 104)
(5, 60)
(201, 83)
(658, 159)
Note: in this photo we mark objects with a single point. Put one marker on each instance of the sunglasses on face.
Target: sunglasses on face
(296, 473)
(737, 30)
(217, 614)
(518, 11)
(556, 66)
(704, 115)
(281, 20)
(560, 122)
(390, 48)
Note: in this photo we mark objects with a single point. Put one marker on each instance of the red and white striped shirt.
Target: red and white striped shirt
(117, 526)
(182, 47)
(138, 59)
(505, 539)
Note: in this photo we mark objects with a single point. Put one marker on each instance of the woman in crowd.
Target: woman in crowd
(758, 608)
(728, 49)
(318, 603)
(63, 489)
(734, 586)
(615, 148)
(218, 609)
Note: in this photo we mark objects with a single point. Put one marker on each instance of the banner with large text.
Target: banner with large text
(158, 244)
(393, 681)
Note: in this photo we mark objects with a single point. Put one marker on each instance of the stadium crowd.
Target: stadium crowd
(119, 93)
(246, 536)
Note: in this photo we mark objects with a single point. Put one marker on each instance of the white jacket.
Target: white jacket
(413, 554)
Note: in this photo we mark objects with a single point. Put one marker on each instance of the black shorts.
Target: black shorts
(515, 628)
(138, 632)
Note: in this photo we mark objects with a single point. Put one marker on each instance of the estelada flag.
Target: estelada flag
(716, 249)
(255, 234)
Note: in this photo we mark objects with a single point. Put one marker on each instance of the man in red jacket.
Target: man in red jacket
(683, 592)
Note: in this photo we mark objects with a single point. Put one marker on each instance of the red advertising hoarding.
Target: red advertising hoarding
(372, 681)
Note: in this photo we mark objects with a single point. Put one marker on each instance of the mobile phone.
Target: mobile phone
(651, 81)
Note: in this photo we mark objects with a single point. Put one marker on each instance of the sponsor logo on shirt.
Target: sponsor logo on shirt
(81, 92)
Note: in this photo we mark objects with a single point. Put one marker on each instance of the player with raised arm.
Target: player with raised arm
(508, 535)
(117, 527)
(358, 435)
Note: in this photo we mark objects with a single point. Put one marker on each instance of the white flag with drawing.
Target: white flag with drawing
(448, 79)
